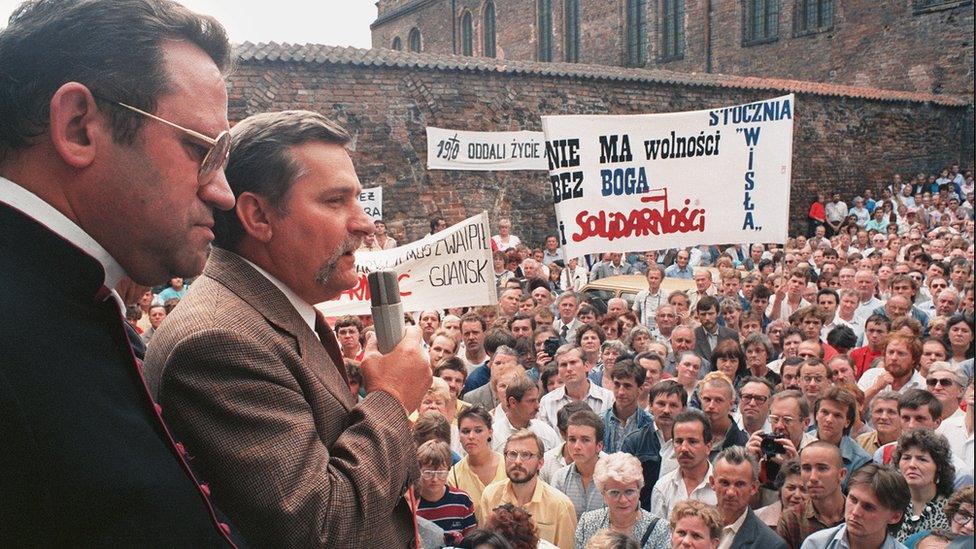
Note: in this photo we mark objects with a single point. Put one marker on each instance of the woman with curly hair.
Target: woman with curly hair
(619, 478)
(925, 460)
(515, 525)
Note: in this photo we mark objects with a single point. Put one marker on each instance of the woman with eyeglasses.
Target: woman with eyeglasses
(925, 460)
(446, 506)
(619, 478)
(482, 465)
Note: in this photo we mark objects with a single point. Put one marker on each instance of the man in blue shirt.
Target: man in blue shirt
(680, 269)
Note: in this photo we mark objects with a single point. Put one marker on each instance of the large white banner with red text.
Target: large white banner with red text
(452, 268)
(643, 182)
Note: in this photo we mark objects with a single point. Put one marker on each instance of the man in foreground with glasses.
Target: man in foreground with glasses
(551, 510)
(112, 151)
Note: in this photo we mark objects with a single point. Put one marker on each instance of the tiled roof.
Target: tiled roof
(317, 54)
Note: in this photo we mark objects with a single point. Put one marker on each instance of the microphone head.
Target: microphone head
(383, 288)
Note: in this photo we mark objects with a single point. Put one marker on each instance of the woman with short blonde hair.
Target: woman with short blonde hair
(619, 477)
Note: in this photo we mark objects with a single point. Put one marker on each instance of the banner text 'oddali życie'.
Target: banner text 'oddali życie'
(485, 151)
(645, 182)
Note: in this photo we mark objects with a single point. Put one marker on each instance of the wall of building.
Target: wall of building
(887, 44)
(843, 143)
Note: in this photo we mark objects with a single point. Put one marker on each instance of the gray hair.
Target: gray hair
(758, 338)
(737, 455)
(619, 466)
(505, 350)
(613, 344)
(884, 395)
(951, 292)
(261, 161)
(957, 375)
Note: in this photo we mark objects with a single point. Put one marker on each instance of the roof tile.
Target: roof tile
(319, 54)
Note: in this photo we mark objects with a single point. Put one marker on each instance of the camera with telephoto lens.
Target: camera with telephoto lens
(769, 446)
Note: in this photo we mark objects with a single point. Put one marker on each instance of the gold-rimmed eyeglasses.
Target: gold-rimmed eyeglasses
(213, 161)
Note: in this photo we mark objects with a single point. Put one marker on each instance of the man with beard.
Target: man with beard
(692, 435)
(822, 471)
(735, 480)
(551, 510)
(876, 500)
(249, 372)
(652, 444)
(900, 372)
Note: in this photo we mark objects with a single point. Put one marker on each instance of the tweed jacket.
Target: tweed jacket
(266, 413)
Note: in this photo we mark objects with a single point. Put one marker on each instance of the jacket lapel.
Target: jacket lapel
(261, 294)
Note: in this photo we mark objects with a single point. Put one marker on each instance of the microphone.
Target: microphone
(384, 295)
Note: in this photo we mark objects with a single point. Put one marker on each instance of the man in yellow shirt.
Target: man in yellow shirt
(551, 510)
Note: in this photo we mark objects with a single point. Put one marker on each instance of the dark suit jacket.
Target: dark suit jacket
(86, 460)
(703, 349)
(292, 457)
(755, 535)
(645, 446)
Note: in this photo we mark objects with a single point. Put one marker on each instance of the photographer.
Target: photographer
(789, 417)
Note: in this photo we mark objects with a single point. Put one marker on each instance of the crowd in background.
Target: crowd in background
(782, 385)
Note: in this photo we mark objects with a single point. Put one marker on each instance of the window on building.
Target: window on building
(467, 34)
(397, 44)
(672, 30)
(545, 30)
(760, 22)
(925, 6)
(636, 33)
(572, 31)
(813, 16)
(414, 39)
(489, 29)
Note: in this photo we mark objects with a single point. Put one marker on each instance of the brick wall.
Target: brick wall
(840, 142)
(876, 43)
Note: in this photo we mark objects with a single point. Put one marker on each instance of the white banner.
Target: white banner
(645, 182)
(485, 151)
(372, 202)
(452, 268)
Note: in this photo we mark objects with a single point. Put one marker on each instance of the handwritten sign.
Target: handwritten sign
(485, 151)
(372, 202)
(643, 182)
(452, 268)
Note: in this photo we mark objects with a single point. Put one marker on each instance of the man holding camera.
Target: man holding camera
(789, 417)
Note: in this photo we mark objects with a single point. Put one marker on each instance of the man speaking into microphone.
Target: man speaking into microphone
(249, 373)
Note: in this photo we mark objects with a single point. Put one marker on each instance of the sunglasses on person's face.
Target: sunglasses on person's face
(216, 156)
(945, 382)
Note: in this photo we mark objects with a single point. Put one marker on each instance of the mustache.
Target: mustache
(349, 245)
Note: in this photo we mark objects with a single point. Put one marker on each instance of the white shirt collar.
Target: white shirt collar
(306, 311)
(36, 208)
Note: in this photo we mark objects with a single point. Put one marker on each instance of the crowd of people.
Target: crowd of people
(808, 393)
(815, 395)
